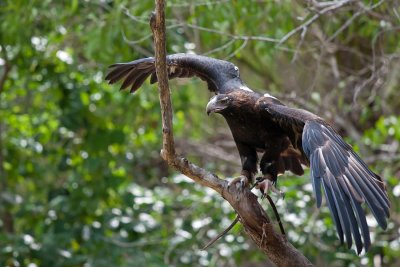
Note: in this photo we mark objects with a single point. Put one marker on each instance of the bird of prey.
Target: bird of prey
(287, 138)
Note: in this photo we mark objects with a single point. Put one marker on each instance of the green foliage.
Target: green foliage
(82, 183)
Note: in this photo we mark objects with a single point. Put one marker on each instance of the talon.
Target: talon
(266, 185)
(241, 182)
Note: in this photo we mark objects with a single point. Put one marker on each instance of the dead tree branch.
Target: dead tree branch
(303, 27)
(252, 216)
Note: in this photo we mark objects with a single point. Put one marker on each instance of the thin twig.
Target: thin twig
(222, 47)
(132, 17)
(373, 75)
(345, 25)
(302, 36)
(243, 45)
(234, 36)
(278, 218)
(176, 24)
(312, 20)
(132, 42)
(136, 46)
(226, 230)
(352, 18)
(190, 4)
(212, 241)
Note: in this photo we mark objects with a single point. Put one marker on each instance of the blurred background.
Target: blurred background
(81, 179)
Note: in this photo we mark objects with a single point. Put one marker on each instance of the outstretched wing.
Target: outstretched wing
(221, 76)
(346, 179)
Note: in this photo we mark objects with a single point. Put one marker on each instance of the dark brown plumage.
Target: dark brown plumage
(254, 133)
(286, 137)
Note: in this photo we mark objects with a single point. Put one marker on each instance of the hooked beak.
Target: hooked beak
(212, 105)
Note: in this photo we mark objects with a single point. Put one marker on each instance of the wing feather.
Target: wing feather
(346, 196)
(333, 210)
(221, 76)
(316, 182)
(138, 81)
(356, 201)
(346, 180)
(340, 206)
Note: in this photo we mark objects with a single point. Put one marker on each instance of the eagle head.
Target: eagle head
(218, 103)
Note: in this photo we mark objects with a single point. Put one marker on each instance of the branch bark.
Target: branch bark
(252, 216)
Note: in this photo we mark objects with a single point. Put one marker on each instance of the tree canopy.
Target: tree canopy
(81, 179)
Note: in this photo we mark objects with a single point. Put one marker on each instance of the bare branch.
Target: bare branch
(157, 22)
(320, 5)
(222, 47)
(190, 4)
(252, 216)
(374, 72)
(212, 241)
(243, 45)
(306, 24)
(176, 24)
(353, 17)
(302, 36)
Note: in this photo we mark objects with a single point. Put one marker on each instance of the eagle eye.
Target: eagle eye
(237, 71)
(224, 100)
